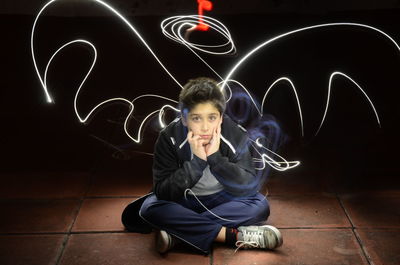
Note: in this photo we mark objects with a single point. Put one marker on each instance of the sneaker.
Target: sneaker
(164, 241)
(265, 236)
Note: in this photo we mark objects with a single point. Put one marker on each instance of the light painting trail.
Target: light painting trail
(295, 94)
(203, 5)
(269, 41)
(175, 28)
(114, 11)
(358, 86)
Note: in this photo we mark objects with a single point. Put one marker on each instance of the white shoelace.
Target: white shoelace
(250, 239)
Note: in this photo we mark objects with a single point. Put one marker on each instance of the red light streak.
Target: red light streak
(203, 5)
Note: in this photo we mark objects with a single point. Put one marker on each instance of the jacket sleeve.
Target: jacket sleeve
(238, 176)
(170, 179)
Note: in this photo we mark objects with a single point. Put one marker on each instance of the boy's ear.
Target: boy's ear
(184, 121)
(184, 115)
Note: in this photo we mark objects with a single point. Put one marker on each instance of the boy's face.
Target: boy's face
(202, 120)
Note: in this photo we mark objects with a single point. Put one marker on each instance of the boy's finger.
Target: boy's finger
(196, 137)
(217, 128)
(200, 143)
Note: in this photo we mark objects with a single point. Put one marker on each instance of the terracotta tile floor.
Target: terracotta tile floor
(74, 218)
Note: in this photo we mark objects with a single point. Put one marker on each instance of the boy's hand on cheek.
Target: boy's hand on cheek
(213, 146)
(196, 144)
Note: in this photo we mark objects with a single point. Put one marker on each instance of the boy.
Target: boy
(204, 182)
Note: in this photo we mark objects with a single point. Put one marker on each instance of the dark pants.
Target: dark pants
(190, 222)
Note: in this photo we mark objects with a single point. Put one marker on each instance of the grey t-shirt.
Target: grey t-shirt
(207, 184)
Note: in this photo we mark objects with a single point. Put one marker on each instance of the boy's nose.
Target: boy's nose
(205, 126)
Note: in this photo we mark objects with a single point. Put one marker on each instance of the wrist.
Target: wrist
(201, 156)
(211, 152)
(202, 164)
(214, 158)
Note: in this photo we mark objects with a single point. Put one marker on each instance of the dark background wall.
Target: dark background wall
(173, 7)
(40, 136)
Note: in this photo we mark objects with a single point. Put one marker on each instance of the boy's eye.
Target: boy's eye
(213, 118)
(195, 119)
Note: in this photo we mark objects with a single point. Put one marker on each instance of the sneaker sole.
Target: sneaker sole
(277, 233)
(163, 242)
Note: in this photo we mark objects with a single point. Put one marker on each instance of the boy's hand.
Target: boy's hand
(196, 144)
(213, 146)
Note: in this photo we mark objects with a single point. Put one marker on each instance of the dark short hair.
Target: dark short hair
(201, 90)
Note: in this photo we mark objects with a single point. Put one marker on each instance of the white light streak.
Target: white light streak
(115, 12)
(86, 76)
(295, 94)
(48, 97)
(160, 116)
(161, 111)
(266, 43)
(281, 165)
(247, 92)
(329, 95)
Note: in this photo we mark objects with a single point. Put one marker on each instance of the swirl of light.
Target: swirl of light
(176, 28)
(282, 165)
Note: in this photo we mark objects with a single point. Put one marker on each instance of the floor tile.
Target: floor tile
(382, 246)
(123, 178)
(391, 192)
(300, 246)
(103, 214)
(368, 210)
(284, 183)
(122, 248)
(41, 185)
(120, 184)
(318, 211)
(27, 216)
(30, 249)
